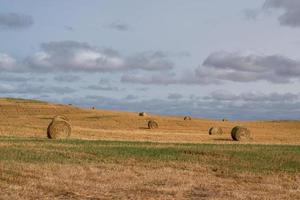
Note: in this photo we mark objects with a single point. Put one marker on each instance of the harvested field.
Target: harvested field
(22, 118)
(113, 155)
(77, 169)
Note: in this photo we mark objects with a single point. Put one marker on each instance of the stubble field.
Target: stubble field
(113, 155)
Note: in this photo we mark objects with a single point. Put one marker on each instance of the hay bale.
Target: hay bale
(225, 120)
(215, 131)
(152, 124)
(187, 118)
(142, 114)
(93, 108)
(59, 129)
(239, 133)
(61, 117)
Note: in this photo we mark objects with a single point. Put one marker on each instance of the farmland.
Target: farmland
(113, 155)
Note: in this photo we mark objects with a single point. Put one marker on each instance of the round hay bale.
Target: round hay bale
(225, 120)
(142, 114)
(59, 129)
(152, 124)
(215, 131)
(93, 108)
(61, 118)
(187, 118)
(239, 133)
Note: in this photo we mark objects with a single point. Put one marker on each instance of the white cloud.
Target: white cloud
(7, 63)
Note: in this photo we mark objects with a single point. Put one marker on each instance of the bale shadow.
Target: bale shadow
(222, 139)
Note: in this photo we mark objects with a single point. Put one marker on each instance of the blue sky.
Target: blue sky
(236, 58)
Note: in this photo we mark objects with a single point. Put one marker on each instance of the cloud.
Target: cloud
(291, 11)
(252, 97)
(223, 66)
(7, 63)
(119, 26)
(209, 108)
(12, 21)
(148, 79)
(70, 56)
(251, 14)
(175, 96)
(7, 77)
(67, 78)
(34, 89)
(131, 97)
(104, 88)
(249, 68)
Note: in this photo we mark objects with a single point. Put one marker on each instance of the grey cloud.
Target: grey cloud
(12, 78)
(104, 88)
(291, 11)
(252, 97)
(175, 96)
(34, 89)
(198, 107)
(146, 79)
(251, 14)
(131, 97)
(78, 56)
(239, 68)
(119, 26)
(15, 21)
(67, 78)
(69, 28)
(223, 66)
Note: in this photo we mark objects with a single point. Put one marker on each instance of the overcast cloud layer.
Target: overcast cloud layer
(215, 59)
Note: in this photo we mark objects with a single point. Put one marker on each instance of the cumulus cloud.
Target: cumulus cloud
(78, 56)
(248, 68)
(223, 66)
(15, 21)
(291, 11)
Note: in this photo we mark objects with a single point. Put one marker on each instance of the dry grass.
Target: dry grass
(76, 169)
(55, 181)
(32, 119)
(84, 169)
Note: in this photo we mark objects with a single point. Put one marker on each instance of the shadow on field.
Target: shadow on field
(222, 139)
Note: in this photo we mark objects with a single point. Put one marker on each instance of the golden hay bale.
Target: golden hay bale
(59, 129)
(152, 124)
(215, 131)
(142, 114)
(61, 117)
(187, 118)
(240, 133)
